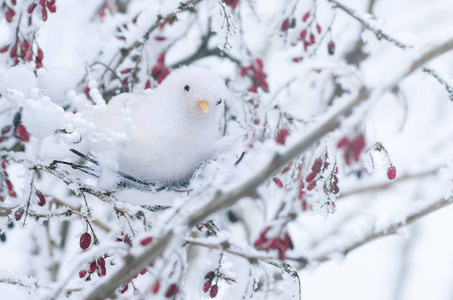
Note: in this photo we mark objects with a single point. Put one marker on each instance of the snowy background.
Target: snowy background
(279, 89)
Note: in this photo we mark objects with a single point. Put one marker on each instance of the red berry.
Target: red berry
(312, 38)
(334, 188)
(162, 75)
(161, 58)
(148, 84)
(275, 243)
(391, 172)
(41, 198)
(29, 55)
(172, 290)
(156, 287)
(232, 3)
(39, 64)
(311, 185)
(317, 165)
(285, 25)
(123, 290)
(303, 34)
(19, 213)
(214, 290)
(301, 191)
(93, 267)
(260, 63)
(207, 286)
(310, 177)
(304, 205)
(4, 49)
(9, 185)
(125, 71)
(13, 2)
(318, 28)
(52, 8)
(260, 242)
(278, 182)
(342, 142)
(357, 145)
(44, 14)
(85, 240)
(9, 15)
(13, 51)
(331, 48)
(21, 133)
(31, 8)
(146, 241)
(160, 38)
(40, 55)
(306, 16)
(82, 274)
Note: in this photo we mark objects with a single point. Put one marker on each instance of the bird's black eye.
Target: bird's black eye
(219, 101)
(187, 88)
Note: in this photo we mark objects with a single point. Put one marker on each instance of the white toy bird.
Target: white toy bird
(170, 130)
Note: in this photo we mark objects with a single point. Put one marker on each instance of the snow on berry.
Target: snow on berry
(391, 172)
(85, 241)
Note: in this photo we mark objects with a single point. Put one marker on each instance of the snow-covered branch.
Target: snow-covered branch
(392, 229)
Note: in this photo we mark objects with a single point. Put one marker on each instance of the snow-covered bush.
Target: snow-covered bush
(335, 132)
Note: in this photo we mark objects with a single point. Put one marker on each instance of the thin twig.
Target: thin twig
(378, 32)
(386, 184)
(226, 247)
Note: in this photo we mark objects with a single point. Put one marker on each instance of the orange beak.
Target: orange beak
(203, 105)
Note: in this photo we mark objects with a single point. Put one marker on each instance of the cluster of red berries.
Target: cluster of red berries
(159, 71)
(257, 74)
(281, 243)
(208, 286)
(352, 148)
(97, 265)
(45, 5)
(125, 238)
(105, 7)
(6, 183)
(22, 50)
(124, 26)
(308, 34)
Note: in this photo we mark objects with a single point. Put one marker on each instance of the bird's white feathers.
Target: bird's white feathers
(165, 132)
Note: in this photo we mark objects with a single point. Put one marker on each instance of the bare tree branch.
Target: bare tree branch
(390, 230)
(382, 35)
(226, 247)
